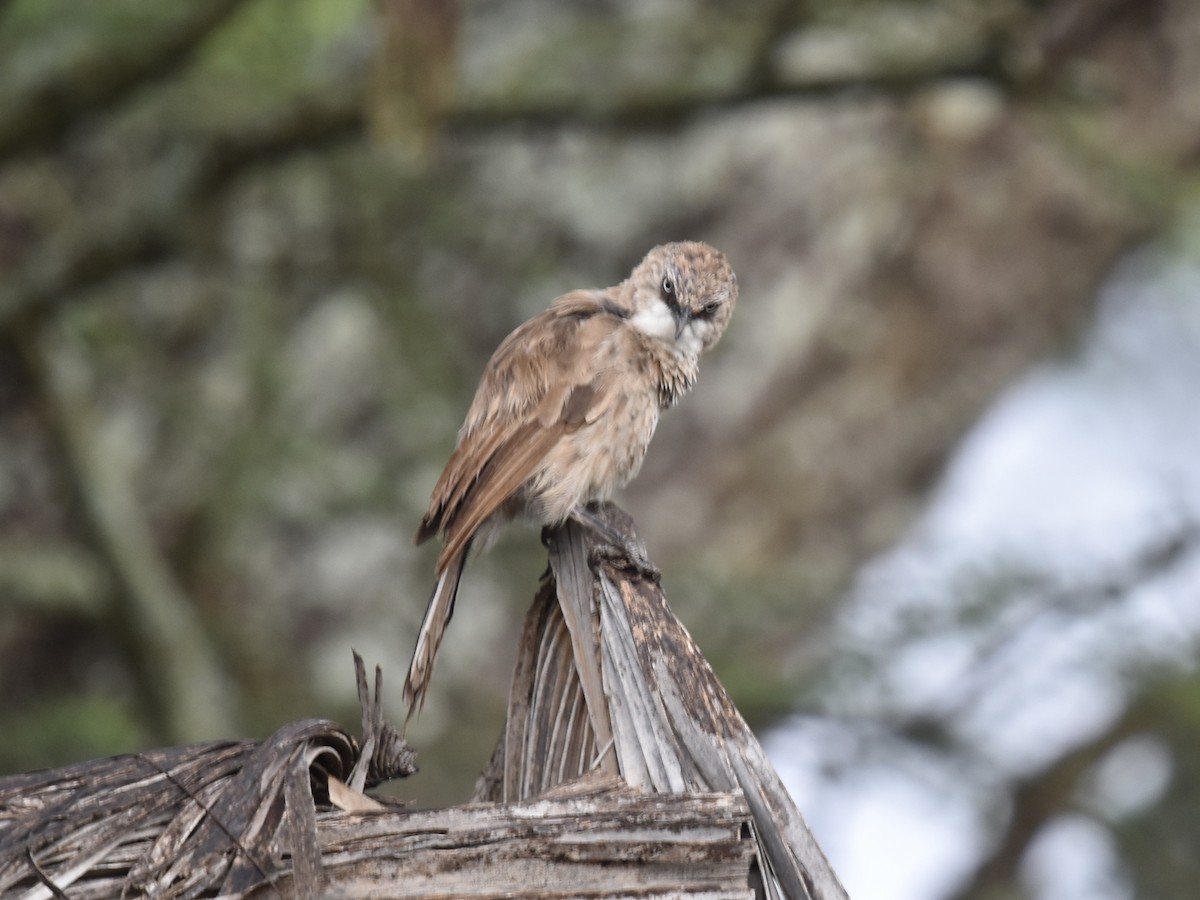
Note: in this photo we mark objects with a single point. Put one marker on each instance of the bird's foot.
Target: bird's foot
(629, 556)
(619, 549)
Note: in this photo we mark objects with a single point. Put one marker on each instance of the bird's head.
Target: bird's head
(683, 294)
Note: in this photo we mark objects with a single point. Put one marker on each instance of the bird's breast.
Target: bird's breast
(596, 459)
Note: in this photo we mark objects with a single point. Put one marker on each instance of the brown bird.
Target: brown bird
(565, 411)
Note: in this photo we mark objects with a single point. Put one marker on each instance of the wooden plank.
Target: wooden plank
(610, 845)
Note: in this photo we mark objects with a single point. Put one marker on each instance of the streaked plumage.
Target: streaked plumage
(565, 410)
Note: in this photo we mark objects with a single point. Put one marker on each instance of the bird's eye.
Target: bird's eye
(710, 308)
(668, 286)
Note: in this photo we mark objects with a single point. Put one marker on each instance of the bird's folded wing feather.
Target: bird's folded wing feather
(539, 385)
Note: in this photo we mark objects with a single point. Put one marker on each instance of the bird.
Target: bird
(564, 414)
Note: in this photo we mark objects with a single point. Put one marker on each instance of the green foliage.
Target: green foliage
(37, 37)
(63, 729)
(271, 50)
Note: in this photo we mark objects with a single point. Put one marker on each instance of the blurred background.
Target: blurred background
(932, 512)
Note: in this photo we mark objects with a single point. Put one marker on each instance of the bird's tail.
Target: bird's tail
(433, 629)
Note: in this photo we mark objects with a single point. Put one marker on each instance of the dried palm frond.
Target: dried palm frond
(207, 819)
(609, 680)
(624, 769)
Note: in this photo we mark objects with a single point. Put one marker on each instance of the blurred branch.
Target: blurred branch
(51, 277)
(100, 78)
(650, 112)
(1044, 795)
(1070, 25)
(188, 692)
(324, 117)
(55, 275)
(153, 234)
(1047, 794)
(1158, 559)
(49, 579)
(762, 80)
(1018, 58)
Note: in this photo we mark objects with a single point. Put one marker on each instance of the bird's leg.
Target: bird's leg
(617, 547)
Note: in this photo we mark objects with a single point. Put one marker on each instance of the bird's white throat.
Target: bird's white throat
(655, 320)
(658, 321)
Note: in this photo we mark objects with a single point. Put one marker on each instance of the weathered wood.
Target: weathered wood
(204, 820)
(655, 708)
(610, 845)
(179, 822)
(223, 819)
(624, 771)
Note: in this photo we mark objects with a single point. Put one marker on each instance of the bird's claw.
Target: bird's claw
(629, 557)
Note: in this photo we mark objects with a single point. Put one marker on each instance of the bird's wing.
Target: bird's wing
(539, 385)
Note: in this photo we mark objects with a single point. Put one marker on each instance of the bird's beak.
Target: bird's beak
(683, 316)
